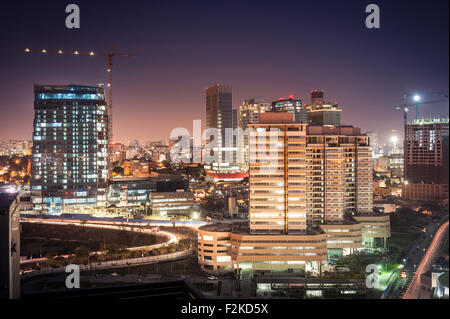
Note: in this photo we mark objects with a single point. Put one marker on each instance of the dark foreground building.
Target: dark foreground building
(9, 245)
(181, 289)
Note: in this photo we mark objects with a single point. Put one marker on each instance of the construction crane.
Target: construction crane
(110, 64)
(406, 107)
(417, 102)
(416, 98)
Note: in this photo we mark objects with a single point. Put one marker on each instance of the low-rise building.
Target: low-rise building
(173, 204)
(376, 228)
(385, 206)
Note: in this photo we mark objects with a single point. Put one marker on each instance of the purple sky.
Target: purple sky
(263, 49)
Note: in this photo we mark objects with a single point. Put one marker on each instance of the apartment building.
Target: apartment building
(249, 113)
(307, 185)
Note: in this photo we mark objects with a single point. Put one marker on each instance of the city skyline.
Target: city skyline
(237, 151)
(179, 61)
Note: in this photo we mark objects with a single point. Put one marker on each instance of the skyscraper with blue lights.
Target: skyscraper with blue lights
(69, 170)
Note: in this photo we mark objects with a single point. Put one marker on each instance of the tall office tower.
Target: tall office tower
(292, 106)
(315, 173)
(219, 115)
(426, 159)
(321, 112)
(9, 245)
(69, 171)
(249, 113)
(277, 200)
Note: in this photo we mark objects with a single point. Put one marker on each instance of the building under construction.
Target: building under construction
(426, 159)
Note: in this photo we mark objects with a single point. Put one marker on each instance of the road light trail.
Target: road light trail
(172, 238)
(413, 291)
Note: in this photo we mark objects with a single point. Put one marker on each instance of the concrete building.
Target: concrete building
(426, 160)
(291, 105)
(249, 113)
(173, 204)
(310, 191)
(224, 247)
(321, 112)
(70, 147)
(135, 191)
(376, 228)
(136, 168)
(386, 206)
(339, 171)
(396, 167)
(9, 246)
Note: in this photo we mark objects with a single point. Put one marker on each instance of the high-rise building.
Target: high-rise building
(291, 105)
(9, 245)
(321, 112)
(310, 198)
(219, 115)
(249, 113)
(324, 173)
(426, 159)
(70, 147)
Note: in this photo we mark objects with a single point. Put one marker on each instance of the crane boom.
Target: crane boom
(406, 105)
(109, 56)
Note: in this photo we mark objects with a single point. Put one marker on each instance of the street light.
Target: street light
(416, 98)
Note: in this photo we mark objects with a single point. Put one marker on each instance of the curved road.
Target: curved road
(171, 237)
(414, 289)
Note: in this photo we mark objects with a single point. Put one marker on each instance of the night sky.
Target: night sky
(264, 49)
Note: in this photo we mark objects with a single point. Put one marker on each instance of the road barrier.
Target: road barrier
(114, 263)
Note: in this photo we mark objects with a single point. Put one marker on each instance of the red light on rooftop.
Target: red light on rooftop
(291, 97)
(281, 98)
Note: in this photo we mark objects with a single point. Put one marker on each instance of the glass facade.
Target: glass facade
(70, 140)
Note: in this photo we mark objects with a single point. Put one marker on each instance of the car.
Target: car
(212, 278)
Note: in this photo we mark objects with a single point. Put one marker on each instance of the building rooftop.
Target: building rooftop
(217, 227)
(243, 228)
(384, 201)
(347, 130)
(424, 121)
(372, 214)
(154, 177)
